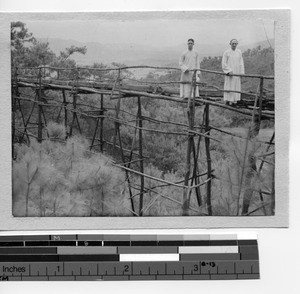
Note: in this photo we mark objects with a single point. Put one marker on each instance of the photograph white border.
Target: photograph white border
(282, 102)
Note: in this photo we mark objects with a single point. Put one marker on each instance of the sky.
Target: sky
(156, 33)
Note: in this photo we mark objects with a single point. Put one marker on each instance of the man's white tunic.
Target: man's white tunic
(189, 60)
(232, 61)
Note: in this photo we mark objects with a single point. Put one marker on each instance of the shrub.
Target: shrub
(57, 179)
(56, 131)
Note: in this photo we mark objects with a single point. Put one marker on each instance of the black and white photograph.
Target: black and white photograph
(143, 117)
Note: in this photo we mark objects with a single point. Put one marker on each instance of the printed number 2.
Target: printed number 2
(196, 268)
(126, 268)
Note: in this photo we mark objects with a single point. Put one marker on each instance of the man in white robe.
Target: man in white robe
(232, 63)
(188, 61)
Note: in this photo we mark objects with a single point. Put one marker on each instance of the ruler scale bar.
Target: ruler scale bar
(128, 257)
(95, 271)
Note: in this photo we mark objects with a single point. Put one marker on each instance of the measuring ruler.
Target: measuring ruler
(128, 257)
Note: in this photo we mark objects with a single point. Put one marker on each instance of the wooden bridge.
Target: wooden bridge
(113, 85)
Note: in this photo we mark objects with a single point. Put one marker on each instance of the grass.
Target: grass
(56, 179)
(65, 179)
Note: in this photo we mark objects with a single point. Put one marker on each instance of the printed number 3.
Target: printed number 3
(196, 267)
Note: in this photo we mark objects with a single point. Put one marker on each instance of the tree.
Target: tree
(20, 42)
(28, 52)
(64, 61)
(20, 34)
(71, 50)
(39, 54)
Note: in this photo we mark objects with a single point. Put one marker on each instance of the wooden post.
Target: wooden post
(45, 121)
(272, 184)
(190, 114)
(257, 113)
(195, 177)
(99, 119)
(208, 160)
(76, 96)
(58, 116)
(118, 133)
(76, 117)
(196, 152)
(141, 156)
(75, 93)
(185, 204)
(128, 165)
(101, 124)
(95, 133)
(101, 145)
(261, 92)
(23, 120)
(126, 173)
(28, 118)
(73, 118)
(268, 147)
(117, 125)
(65, 111)
(40, 125)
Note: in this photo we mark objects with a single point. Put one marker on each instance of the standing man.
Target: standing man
(232, 63)
(189, 60)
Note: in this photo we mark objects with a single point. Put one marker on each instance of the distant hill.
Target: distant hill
(138, 54)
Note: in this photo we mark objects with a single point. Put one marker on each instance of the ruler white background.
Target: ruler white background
(278, 248)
